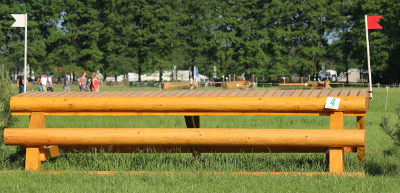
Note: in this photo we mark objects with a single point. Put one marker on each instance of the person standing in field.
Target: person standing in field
(66, 83)
(43, 82)
(50, 83)
(95, 80)
(38, 82)
(21, 82)
(83, 82)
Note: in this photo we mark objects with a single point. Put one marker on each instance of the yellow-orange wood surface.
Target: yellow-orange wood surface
(185, 104)
(185, 137)
(336, 154)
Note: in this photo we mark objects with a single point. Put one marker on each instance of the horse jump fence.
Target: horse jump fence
(44, 143)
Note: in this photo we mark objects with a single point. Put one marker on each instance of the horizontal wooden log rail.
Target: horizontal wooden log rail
(186, 137)
(352, 105)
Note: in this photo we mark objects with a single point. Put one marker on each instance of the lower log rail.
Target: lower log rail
(186, 137)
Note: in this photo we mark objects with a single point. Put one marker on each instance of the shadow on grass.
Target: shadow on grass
(381, 168)
(16, 160)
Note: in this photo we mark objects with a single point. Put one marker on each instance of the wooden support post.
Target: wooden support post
(194, 122)
(336, 154)
(35, 155)
(32, 158)
(361, 150)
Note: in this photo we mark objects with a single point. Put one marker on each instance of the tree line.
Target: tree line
(268, 38)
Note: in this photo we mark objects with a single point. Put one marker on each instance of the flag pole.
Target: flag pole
(369, 62)
(26, 51)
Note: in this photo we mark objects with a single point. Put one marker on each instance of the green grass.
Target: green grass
(381, 171)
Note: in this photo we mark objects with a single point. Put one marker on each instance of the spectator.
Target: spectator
(96, 83)
(43, 82)
(50, 83)
(66, 83)
(38, 82)
(20, 82)
(83, 82)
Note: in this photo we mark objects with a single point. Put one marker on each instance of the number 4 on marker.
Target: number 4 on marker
(333, 102)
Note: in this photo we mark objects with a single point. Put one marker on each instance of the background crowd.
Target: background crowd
(45, 82)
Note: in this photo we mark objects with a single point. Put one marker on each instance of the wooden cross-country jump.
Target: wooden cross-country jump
(44, 143)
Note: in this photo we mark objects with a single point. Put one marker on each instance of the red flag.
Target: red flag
(373, 22)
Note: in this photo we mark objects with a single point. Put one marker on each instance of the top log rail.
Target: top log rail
(190, 103)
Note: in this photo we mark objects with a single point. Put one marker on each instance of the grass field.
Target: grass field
(381, 171)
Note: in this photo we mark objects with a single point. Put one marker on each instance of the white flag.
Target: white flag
(19, 20)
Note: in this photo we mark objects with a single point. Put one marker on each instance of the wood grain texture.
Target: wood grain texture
(336, 154)
(296, 93)
(356, 105)
(186, 137)
(123, 113)
(361, 150)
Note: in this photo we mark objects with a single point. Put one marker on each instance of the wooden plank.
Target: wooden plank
(172, 93)
(119, 93)
(190, 93)
(296, 93)
(315, 93)
(111, 93)
(243, 93)
(279, 93)
(252, 93)
(198, 93)
(288, 93)
(23, 94)
(325, 93)
(344, 93)
(363, 93)
(306, 93)
(154, 93)
(162, 94)
(354, 92)
(145, 93)
(270, 93)
(261, 93)
(181, 93)
(58, 93)
(28, 94)
(136, 93)
(336, 154)
(207, 93)
(127, 93)
(216, 93)
(225, 93)
(334, 93)
(234, 93)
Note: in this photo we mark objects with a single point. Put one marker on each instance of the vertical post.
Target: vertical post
(336, 154)
(368, 59)
(193, 122)
(361, 150)
(26, 51)
(32, 159)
